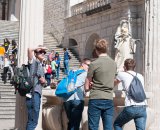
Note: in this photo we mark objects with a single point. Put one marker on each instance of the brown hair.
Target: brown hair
(85, 60)
(130, 64)
(101, 46)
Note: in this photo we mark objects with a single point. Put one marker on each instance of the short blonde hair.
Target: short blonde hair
(101, 46)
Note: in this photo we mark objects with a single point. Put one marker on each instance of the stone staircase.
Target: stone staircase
(10, 30)
(7, 105)
(52, 44)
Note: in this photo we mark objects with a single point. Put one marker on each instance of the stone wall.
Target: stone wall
(86, 29)
(54, 14)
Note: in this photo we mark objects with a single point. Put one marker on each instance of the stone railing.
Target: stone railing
(56, 34)
(88, 6)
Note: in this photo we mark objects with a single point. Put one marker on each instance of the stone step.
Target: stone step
(7, 100)
(7, 108)
(4, 96)
(9, 116)
(6, 90)
(8, 93)
(7, 104)
(7, 124)
(5, 112)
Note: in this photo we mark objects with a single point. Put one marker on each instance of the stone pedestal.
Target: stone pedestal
(30, 35)
(55, 118)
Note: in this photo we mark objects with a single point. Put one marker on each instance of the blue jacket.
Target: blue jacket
(66, 55)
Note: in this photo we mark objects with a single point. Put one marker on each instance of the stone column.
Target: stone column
(30, 35)
(152, 60)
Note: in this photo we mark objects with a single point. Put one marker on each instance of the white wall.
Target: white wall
(74, 2)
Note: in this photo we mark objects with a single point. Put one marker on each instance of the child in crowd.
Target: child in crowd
(6, 44)
(6, 68)
(2, 52)
(53, 65)
(58, 60)
(48, 72)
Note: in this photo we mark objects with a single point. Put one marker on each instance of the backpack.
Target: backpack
(66, 86)
(136, 91)
(22, 80)
(49, 70)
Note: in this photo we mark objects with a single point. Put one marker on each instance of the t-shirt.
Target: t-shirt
(126, 79)
(102, 71)
(53, 65)
(37, 65)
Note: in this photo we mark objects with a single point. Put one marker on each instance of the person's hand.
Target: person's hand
(90, 85)
(42, 80)
(40, 48)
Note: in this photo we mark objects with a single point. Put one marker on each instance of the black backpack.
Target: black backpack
(136, 91)
(22, 80)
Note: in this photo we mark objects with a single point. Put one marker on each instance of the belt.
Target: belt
(138, 106)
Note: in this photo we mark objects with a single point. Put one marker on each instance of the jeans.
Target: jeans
(66, 66)
(57, 72)
(138, 113)
(48, 79)
(5, 71)
(100, 108)
(74, 109)
(33, 108)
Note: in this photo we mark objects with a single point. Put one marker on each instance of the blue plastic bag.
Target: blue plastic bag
(66, 87)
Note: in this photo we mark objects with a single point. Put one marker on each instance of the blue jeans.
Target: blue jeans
(57, 72)
(48, 79)
(66, 66)
(33, 111)
(100, 108)
(132, 112)
(74, 109)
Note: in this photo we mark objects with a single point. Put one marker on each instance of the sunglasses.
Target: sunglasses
(40, 52)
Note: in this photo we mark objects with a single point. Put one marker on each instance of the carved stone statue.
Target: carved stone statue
(124, 44)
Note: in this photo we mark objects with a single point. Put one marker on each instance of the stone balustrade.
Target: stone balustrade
(54, 116)
(88, 6)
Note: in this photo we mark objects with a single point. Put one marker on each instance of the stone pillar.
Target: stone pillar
(152, 60)
(30, 35)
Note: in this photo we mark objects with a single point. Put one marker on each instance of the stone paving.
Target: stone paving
(7, 125)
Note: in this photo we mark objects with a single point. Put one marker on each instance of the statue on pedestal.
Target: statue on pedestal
(124, 44)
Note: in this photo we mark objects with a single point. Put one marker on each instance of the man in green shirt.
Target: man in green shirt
(100, 82)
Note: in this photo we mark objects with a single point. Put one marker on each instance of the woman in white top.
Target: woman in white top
(132, 110)
(6, 68)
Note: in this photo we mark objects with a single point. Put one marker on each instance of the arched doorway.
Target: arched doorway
(90, 45)
(72, 43)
